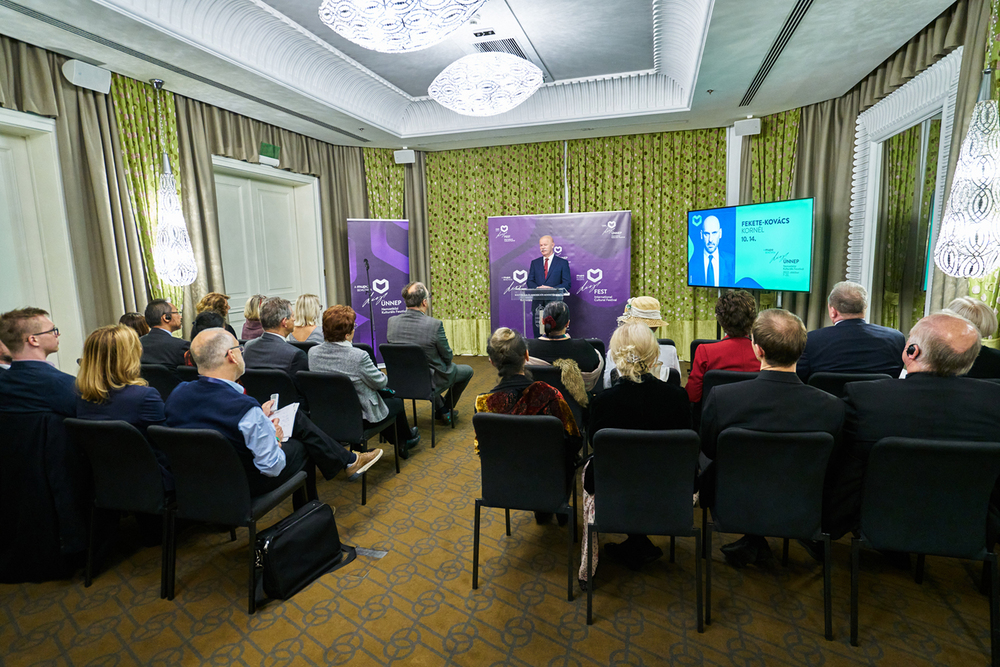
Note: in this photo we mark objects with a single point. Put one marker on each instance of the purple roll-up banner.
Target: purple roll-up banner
(386, 246)
(599, 250)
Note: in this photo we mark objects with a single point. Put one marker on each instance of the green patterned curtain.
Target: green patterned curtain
(463, 188)
(658, 177)
(384, 181)
(772, 166)
(900, 164)
(145, 135)
(926, 212)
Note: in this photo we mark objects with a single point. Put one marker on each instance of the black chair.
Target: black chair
(260, 383)
(710, 381)
(700, 341)
(187, 373)
(337, 412)
(771, 484)
(524, 468)
(598, 345)
(647, 492)
(552, 376)
(127, 478)
(833, 383)
(304, 345)
(930, 498)
(164, 380)
(368, 349)
(666, 341)
(411, 377)
(212, 487)
(674, 377)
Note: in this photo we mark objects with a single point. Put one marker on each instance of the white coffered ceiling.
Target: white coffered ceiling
(613, 66)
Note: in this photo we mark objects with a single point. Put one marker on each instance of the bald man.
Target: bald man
(546, 272)
(711, 266)
(215, 401)
(933, 402)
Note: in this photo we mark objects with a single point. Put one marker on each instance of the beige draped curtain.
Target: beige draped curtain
(106, 251)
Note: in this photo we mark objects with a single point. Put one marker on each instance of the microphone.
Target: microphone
(366, 264)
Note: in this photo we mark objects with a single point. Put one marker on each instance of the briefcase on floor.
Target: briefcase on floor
(299, 549)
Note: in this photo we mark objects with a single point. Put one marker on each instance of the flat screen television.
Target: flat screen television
(757, 246)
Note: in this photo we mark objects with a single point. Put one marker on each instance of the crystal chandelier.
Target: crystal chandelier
(968, 244)
(397, 26)
(485, 84)
(173, 257)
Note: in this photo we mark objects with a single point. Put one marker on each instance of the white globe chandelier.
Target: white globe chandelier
(396, 26)
(485, 84)
(968, 244)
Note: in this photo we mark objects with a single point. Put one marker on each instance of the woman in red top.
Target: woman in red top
(735, 310)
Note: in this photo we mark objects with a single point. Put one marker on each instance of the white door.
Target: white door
(18, 252)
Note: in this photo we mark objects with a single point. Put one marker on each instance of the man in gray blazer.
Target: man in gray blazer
(271, 350)
(416, 327)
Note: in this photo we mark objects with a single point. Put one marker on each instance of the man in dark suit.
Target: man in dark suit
(160, 346)
(851, 345)
(712, 267)
(932, 402)
(775, 402)
(546, 272)
(32, 384)
(416, 327)
(271, 350)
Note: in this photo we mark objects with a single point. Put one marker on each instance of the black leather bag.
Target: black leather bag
(300, 548)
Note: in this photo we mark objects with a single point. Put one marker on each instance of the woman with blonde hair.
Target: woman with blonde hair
(217, 302)
(251, 314)
(308, 312)
(639, 400)
(987, 364)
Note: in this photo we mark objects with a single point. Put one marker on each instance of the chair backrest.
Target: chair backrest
(833, 383)
(665, 341)
(523, 461)
(260, 383)
(771, 483)
(408, 371)
(929, 496)
(187, 373)
(715, 378)
(304, 345)
(699, 341)
(209, 479)
(649, 490)
(160, 378)
(552, 376)
(368, 349)
(674, 377)
(126, 474)
(334, 405)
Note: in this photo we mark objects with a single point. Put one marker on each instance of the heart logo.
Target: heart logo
(611, 224)
(520, 276)
(558, 249)
(503, 229)
(380, 286)
(696, 220)
(594, 275)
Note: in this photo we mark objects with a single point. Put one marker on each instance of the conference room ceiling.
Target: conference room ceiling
(613, 67)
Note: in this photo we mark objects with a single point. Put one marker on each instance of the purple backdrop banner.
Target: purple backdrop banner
(598, 248)
(385, 244)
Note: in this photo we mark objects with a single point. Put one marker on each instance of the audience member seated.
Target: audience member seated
(639, 400)
(206, 320)
(137, 321)
(931, 402)
(776, 401)
(110, 388)
(32, 384)
(416, 327)
(987, 364)
(517, 394)
(338, 355)
(645, 309)
(307, 320)
(555, 344)
(5, 357)
(215, 302)
(159, 346)
(216, 402)
(851, 345)
(735, 311)
(271, 350)
(251, 326)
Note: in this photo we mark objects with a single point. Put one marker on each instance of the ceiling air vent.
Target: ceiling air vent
(791, 25)
(501, 46)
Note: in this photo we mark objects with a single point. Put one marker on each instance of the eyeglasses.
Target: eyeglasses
(237, 347)
(54, 331)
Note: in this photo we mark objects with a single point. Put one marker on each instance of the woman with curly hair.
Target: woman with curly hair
(735, 310)
(216, 302)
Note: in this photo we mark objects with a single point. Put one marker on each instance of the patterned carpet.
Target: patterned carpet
(415, 606)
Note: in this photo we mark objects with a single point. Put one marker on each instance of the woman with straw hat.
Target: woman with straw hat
(646, 309)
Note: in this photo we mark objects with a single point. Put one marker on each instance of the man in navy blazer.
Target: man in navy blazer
(546, 272)
(851, 345)
(32, 384)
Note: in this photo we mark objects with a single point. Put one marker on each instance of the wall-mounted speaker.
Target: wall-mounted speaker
(87, 76)
(748, 126)
(405, 157)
